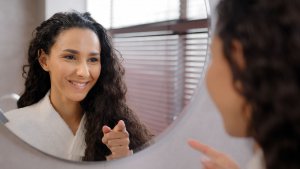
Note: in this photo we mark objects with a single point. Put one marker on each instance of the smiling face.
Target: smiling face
(73, 64)
(220, 85)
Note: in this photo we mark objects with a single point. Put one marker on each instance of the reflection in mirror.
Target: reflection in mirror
(80, 114)
(163, 56)
(164, 46)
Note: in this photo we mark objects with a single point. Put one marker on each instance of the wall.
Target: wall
(18, 18)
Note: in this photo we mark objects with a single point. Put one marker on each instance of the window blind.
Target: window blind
(164, 47)
(162, 72)
(195, 58)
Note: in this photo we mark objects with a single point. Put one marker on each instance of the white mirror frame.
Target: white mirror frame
(200, 120)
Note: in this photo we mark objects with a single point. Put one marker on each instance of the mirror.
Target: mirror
(164, 58)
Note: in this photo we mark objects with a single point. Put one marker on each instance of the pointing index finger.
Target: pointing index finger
(120, 126)
(205, 149)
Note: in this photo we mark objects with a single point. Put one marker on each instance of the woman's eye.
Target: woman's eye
(70, 57)
(93, 59)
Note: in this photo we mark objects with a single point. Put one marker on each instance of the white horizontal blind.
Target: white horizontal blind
(162, 72)
(196, 47)
(163, 68)
(154, 73)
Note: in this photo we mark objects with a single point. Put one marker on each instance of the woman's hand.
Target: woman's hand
(215, 159)
(117, 140)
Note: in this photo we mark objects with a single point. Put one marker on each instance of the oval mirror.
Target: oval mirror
(162, 45)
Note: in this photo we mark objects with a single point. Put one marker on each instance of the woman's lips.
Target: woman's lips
(79, 85)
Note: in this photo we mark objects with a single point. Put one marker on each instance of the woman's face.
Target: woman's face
(73, 64)
(221, 88)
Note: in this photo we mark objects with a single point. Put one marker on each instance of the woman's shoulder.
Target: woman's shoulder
(21, 113)
(26, 113)
(22, 121)
(25, 118)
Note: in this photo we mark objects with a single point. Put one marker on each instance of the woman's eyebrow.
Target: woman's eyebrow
(94, 53)
(71, 51)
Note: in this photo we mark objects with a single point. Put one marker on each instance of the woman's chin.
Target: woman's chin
(78, 97)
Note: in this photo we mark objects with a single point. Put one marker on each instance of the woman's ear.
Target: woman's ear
(43, 60)
(238, 53)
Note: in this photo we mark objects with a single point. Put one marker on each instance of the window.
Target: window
(164, 47)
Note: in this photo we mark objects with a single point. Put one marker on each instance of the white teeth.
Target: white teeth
(79, 85)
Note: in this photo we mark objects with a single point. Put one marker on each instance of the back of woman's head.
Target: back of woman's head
(37, 80)
(269, 32)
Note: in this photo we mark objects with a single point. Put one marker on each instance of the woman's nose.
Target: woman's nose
(83, 70)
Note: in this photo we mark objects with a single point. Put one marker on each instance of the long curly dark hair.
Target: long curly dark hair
(105, 104)
(269, 32)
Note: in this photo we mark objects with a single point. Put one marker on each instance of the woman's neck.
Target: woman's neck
(70, 111)
(256, 147)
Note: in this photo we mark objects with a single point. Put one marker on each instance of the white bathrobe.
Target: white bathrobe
(42, 127)
(257, 161)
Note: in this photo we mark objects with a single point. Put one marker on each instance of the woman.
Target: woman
(254, 80)
(74, 103)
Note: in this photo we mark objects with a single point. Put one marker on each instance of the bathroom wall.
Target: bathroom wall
(18, 18)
